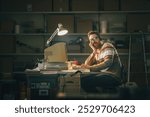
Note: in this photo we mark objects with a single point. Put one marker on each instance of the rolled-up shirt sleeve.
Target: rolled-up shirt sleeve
(104, 60)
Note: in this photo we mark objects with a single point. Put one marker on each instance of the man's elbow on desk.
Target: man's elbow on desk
(94, 68)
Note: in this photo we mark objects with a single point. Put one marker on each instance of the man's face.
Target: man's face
(94, 40)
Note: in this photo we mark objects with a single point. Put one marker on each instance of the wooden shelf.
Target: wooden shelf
(78, 12)
(42, 54)
(76, 34)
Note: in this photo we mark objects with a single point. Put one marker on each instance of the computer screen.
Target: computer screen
(56, 53)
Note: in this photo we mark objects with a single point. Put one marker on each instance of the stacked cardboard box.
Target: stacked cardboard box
(85, 5)
(138, 22)
(111, 5)
(6, 65)
(26, 5)
(84, 25)
(135, 5)
(60, 5)
(40, 5)
(7, 44)
(66, 20)
(7, 26)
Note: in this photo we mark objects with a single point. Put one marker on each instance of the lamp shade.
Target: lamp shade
(61, 30)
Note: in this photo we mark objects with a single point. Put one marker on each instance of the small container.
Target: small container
(103, 26)
(29, 7)
(17, 28)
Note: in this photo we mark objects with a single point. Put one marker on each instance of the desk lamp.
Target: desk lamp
(60, 31)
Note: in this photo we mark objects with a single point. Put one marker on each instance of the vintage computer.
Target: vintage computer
(55, 57)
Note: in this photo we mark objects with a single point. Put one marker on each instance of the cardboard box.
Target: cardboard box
(135, 5)
(13, 5)
(26, 5)
(70, 84)
(138, 22)
(7, 44)
(7, 26)
(40, 5)
(69, 80)
(85, 5)
(6, 64)
(84, 25)
(72, 89)
(66, 20)
(111, 5)
(60, 5)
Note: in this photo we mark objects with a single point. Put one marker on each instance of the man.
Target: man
(105, 60)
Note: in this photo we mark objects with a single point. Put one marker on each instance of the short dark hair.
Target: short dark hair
(94, 32)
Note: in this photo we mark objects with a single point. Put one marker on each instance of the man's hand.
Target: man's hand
(93, 48)
(84, 66)
(76, 66)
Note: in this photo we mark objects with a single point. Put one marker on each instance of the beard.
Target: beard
(96, 45)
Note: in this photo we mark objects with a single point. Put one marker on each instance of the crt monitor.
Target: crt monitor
(56, 53)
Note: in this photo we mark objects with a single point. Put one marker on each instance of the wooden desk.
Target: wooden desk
(46, 84)
(61, 85)
(41, 86)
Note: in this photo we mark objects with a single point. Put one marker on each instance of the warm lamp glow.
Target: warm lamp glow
(60, 31)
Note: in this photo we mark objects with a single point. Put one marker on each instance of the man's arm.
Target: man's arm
(108, 60)
(90, 60)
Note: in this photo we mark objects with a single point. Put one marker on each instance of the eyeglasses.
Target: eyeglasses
(94, 39)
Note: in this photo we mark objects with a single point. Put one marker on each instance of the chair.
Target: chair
(103, 80)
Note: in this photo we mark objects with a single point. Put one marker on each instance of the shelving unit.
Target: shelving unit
(35, 28)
